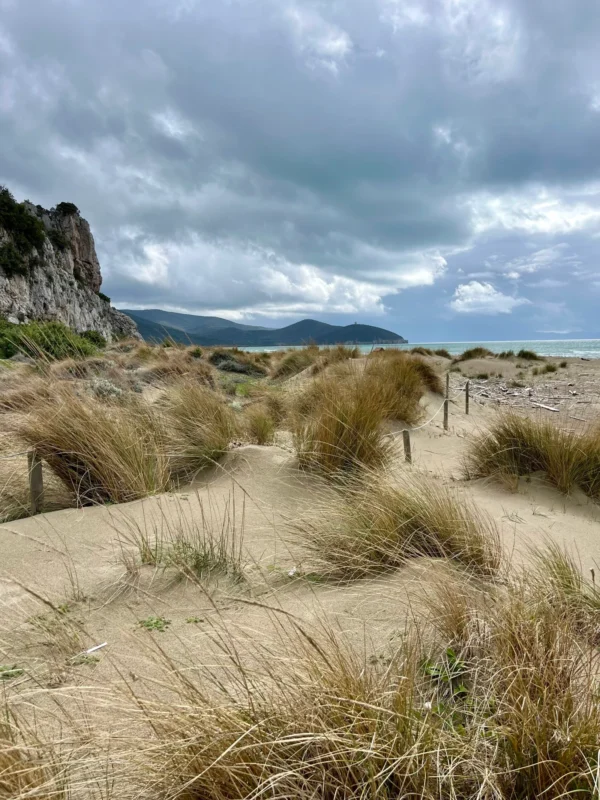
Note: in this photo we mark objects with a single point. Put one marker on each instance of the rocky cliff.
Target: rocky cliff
(49, 270)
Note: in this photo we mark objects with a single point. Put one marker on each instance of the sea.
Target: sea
(576, 348)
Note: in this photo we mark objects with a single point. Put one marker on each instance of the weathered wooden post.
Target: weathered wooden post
(407, 452)
(447, 401)
(467, 389)
(36, 482)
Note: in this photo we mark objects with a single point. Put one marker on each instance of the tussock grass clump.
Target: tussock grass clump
(516, 445)
(296, 361)
(399, 381)
(505, 354)
(200, 427)
(474, 352)
(28, 768)
(529, 355)
(25, 395)
(177, 365)
(495, 698)
(259, 424)
(421, 351)
(377, 525)
(442, 352)
(100, 452)
(334, 355)
(550, 368)
(336, 425)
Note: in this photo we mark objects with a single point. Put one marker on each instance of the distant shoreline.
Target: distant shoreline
(558, 348)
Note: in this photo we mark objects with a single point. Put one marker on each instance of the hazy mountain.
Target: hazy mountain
(191, 323)
(303, 332)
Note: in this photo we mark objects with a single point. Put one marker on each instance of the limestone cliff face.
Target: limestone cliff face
(61, 279)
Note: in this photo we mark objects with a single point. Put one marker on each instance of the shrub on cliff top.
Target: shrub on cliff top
(67, 209)
(26, 231)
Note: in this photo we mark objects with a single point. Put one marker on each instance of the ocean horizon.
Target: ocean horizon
(565, 348)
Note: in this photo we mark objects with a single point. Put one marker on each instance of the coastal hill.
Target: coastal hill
(49, 270)
(155, 325)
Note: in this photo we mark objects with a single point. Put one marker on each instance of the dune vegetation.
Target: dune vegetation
(516, 445)
(268, 602)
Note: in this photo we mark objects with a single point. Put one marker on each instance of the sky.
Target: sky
(427, 166)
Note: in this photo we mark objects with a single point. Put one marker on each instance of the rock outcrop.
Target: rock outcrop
(58, 278)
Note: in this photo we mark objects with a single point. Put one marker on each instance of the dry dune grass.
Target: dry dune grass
(259, 424)
(334, 355)
(171, 365)
(337, 419)
(27, 768)
(491, 696)
(376, 524)
(27, 393)
(517, 445)
(296, 361)
(100, 452)
(199, 427)
(336, 425)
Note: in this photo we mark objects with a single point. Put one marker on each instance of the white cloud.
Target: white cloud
(547, 283)
(322, 43)
(535, 212)
(482, 298)
(548, 257)
(400, 14)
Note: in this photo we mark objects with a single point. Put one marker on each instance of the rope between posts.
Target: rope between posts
(418, 428)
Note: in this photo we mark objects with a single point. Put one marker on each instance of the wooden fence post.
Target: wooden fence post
(447, 401)
(36, 482)
(407, 452)
(467, 389)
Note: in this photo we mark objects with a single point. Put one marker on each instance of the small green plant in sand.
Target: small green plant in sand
(159, 624)
(550, 368)
(196, 539)
(9, 672)
(563, 365)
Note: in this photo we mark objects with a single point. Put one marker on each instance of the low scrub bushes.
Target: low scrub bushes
(443, 353)
(421, 351)
(43, 340)
(377, 525)
(505, 354)
(516, 445)
(235, 360)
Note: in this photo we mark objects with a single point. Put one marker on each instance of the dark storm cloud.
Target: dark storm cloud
(291, 156)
